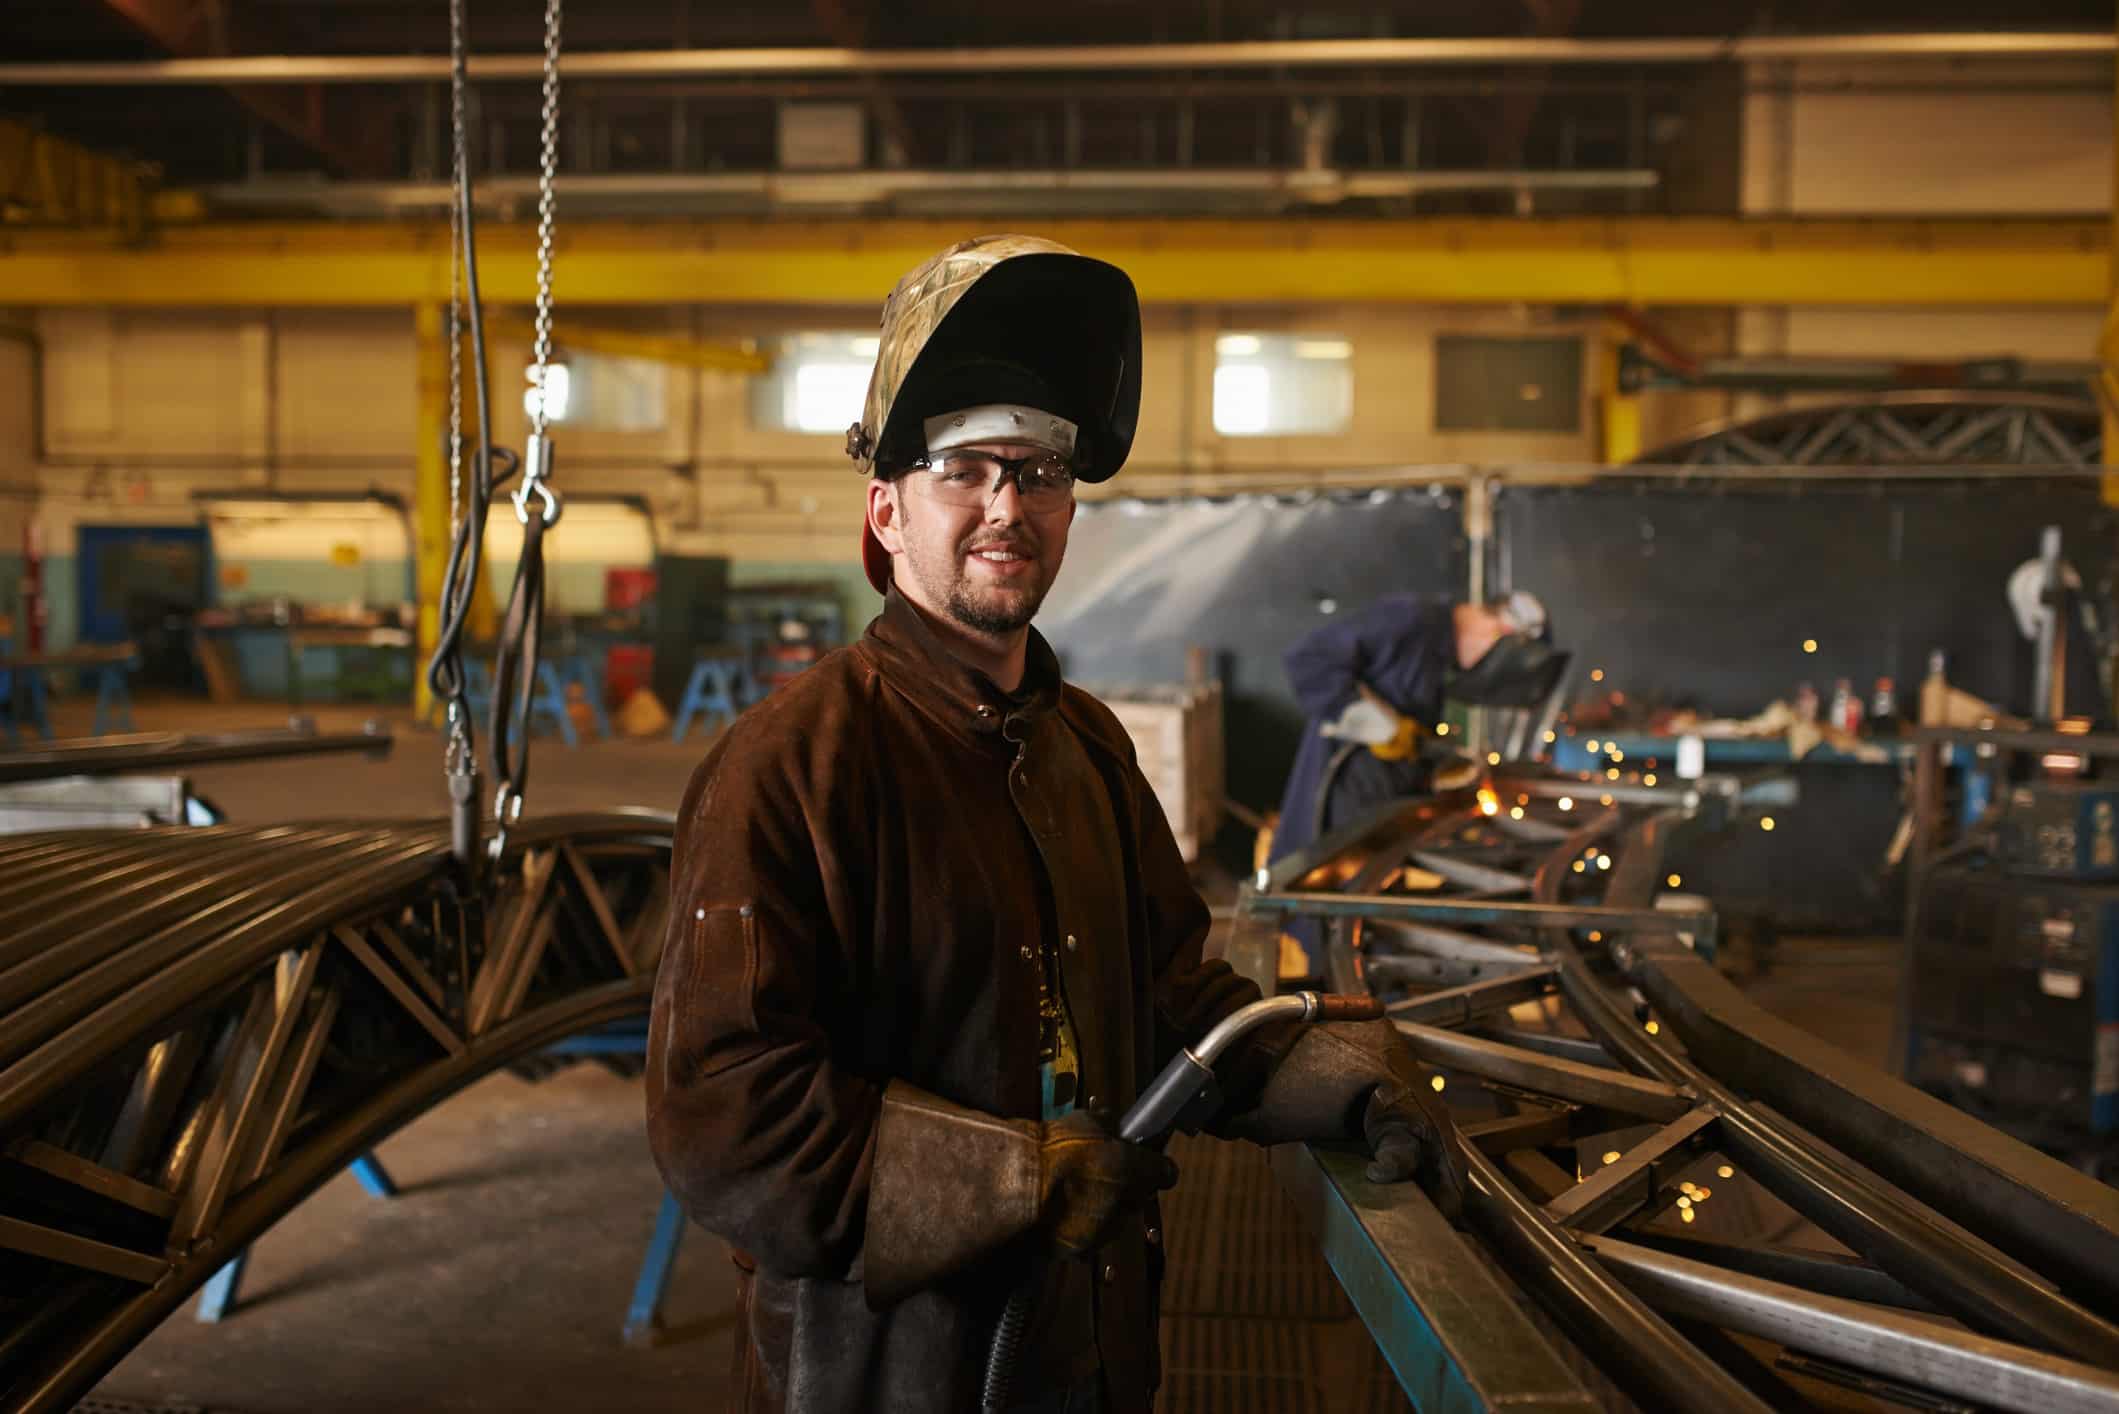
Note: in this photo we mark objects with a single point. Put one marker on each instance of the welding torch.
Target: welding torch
(1162, 1106)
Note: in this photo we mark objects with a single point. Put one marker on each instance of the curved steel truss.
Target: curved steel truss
(1658, 1163)
(1913, 429)
(198, 1027)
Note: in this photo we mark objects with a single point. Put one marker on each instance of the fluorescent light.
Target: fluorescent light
(1323, 348)
(1238, 345)
(866, 348)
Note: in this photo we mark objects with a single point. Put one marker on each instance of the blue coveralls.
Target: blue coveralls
(1402, 646)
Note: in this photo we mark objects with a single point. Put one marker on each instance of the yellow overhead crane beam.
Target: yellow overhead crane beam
(1634, 260)
(568, 334)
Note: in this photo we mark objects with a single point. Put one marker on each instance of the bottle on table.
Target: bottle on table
(1883, 709)
(1846, 707)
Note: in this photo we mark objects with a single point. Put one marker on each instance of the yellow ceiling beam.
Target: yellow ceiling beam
(1629, 260)
(624, 343)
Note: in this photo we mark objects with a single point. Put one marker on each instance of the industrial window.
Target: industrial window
(597, 390)
(1507, 385)
(816, 383)
(1282, 385)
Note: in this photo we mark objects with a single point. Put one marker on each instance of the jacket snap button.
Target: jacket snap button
(1110, 1273)
(1155, 1236)
(1028, 954)
(984, 714)
(1071, 944)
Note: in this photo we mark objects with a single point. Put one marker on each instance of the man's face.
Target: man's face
(988, 567)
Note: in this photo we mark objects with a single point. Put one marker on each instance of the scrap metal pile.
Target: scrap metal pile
(1707, 1208)
(198, 1027)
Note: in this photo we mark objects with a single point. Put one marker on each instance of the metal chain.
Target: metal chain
(460, 157)
(547, 170)
(516, 661)
(458, 756)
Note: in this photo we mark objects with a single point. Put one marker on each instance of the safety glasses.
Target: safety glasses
(1044, 481)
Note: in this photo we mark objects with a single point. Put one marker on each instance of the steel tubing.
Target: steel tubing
(1448, 943)
(1906, 1239)
(2010, 1194)
(103, 756)
(60, 983)
(1917, 1349)
(118, 895)
(1657, 1366)
(113, 1006)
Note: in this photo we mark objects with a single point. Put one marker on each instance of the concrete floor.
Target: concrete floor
(499, 1278)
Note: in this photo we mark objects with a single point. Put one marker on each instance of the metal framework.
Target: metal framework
(1916, 429)
(1657, 1162)
(198, 1027)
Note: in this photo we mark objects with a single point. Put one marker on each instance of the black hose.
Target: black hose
(1007, 1349)
(445, 671)
(1332, 768)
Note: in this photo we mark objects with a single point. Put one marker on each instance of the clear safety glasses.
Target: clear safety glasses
(1044, 481)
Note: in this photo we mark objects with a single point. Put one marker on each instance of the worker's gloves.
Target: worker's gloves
(1411, 1135)
(1358, 1080)
(1089, 1181)
(1366, 720)
(1370, 721)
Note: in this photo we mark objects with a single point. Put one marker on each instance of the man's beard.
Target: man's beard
(990, 610)
(989, 617)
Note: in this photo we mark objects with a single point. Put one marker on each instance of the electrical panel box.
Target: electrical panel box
(2061, 830)
(2013, 1002)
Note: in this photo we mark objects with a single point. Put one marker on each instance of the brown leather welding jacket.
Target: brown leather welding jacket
(866, 864)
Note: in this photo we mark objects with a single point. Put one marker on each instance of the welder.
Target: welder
(931, 934)
(1372, 686)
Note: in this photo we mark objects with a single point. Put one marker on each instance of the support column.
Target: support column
(1618, 411)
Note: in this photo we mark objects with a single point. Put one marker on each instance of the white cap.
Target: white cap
(1000, 422)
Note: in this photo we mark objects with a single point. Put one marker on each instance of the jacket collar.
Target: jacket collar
(917, 662)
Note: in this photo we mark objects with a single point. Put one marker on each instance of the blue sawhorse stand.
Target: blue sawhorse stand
(547, 704)
(643, 1317)
(218, 1297)
(719, 687)
(113, 698)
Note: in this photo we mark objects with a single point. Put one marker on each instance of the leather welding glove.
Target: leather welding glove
(950, 1186)
(1359, 1080)
(1089, 1181)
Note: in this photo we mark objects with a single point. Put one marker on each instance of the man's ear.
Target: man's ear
(886, 514)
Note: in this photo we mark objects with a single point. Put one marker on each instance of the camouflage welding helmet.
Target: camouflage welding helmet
(1027, 311)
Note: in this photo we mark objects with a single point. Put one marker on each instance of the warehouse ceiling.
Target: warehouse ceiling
(1485, 138)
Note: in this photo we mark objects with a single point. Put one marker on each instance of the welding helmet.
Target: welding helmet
(1522, 668)
(989, 334)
